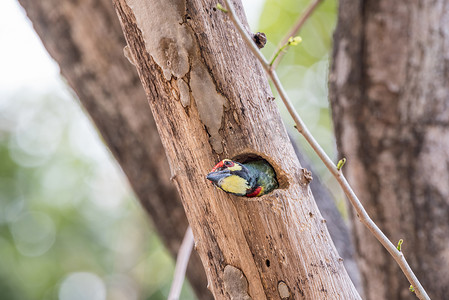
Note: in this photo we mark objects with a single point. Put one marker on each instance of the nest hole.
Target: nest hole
(280, 175)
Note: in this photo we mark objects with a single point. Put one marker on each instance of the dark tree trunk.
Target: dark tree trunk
(390, 102)
(86, 40)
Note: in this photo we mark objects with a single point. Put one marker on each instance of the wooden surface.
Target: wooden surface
(276, 240)
(390, 101)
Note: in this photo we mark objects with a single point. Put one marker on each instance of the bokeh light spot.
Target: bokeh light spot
(82, 286)
(33, 232)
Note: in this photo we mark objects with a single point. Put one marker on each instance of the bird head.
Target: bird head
(232, 177)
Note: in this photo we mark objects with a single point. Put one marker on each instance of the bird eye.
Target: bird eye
(228, 163)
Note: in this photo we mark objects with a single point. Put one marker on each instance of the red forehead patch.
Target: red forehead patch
(219, 165)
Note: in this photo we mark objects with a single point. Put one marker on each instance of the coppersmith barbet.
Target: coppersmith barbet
(251, 179)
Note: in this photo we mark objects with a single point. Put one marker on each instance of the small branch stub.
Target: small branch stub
(307, 175)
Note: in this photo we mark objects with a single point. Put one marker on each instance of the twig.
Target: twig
(292, 41)
(293, 31)
(338, 174)
(181, 265)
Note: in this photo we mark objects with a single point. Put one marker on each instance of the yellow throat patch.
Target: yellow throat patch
(234, 184)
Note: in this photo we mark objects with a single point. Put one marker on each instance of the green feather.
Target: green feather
(264, 175)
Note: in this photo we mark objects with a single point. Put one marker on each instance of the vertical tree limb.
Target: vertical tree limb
(390, 98)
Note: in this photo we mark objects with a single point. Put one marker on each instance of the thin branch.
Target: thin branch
(293, 31)
(292, 41)
(181, 265)
(338, 174)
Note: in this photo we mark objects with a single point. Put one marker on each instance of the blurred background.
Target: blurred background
(68, 218)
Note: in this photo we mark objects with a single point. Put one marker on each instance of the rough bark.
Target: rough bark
(338, 228)
(86, 40)
(390, 101)
(208, 106)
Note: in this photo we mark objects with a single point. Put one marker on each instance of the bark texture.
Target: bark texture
(207, 106)
(86, 40)
(338, 228)
(390, 102)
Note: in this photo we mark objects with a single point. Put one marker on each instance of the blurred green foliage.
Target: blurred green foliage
(70, 227)
(304, 68)
(304, 73)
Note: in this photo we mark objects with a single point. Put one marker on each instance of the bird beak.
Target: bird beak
(217, 176)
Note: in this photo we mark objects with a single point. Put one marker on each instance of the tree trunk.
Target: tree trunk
(338, 229)
(210, 100)
(390, 101)
(86, 40)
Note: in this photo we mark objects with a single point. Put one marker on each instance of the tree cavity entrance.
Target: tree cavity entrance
(280, 174)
